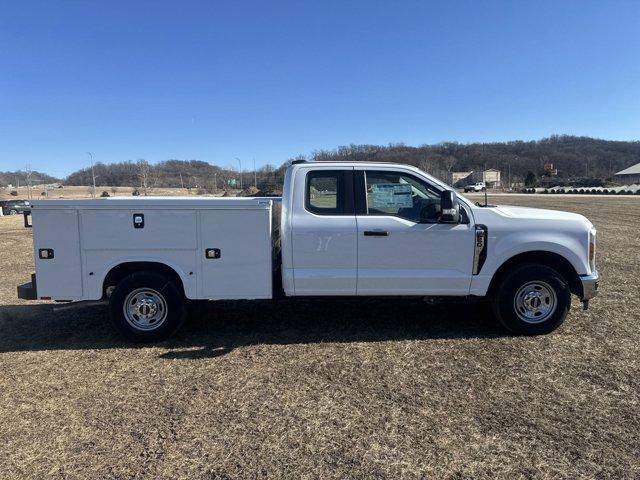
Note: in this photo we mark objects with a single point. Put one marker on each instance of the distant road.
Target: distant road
(551, 195)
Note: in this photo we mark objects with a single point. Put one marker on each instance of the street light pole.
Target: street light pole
(510, 185)
(93, 176)
(240, 163)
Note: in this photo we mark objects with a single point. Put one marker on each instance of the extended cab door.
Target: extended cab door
(402, 250)
(323, 232)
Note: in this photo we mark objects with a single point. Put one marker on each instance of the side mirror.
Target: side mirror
(450, 210)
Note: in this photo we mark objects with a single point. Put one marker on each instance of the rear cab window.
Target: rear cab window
(329, 192)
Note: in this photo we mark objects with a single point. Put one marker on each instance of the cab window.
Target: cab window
(325, 192)
(401, 195)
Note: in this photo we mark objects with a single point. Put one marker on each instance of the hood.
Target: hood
(527, 213)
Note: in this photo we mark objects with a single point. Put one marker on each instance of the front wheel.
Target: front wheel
(532, 300)
(147, 307)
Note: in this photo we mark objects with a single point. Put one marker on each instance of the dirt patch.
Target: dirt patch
(328, 388)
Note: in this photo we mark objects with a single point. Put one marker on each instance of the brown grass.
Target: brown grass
(328, 389)
(72, 191)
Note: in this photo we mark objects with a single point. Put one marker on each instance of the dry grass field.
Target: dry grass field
(71, 191)
(328, 389)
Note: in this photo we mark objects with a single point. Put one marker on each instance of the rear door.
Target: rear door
(323, 232)
(402, 250)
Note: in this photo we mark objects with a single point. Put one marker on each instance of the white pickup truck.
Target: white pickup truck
(475, 187)
(356, 229)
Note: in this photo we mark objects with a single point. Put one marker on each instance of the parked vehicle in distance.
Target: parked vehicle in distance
(345, 229)
(475, 187)
(13, 207)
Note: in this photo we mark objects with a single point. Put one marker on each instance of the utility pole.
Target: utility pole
(28, 173)
(93, 176)
(510, 184)
(240, 163)
(181, 182)
(215, 182)
(255, 174)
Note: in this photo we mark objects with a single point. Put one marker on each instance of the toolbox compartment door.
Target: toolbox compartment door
(59, 277)
(239, 265)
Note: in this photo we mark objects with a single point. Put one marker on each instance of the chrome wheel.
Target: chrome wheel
(145, 309)
(535, 302)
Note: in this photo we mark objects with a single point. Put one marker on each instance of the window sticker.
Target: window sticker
(391, 195)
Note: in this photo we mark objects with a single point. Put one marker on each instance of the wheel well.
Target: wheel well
(122, 270)
(549, 259)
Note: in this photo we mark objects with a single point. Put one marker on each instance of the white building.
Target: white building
(491, 178)
(629, 175)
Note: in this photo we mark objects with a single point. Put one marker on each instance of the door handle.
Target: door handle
(375, 233)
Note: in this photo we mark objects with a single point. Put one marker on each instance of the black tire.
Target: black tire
(529, 291)
(159, 298)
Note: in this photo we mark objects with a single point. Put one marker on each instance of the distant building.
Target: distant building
(491, 178)
(460, 179)
(549, 170)
(629, 175)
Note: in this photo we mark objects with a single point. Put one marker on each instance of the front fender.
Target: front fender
(502, 248)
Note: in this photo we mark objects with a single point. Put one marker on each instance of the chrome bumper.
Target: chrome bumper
(589, 285)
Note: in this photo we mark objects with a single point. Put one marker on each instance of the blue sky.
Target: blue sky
(270, 80)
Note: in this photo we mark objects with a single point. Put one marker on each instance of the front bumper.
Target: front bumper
(589, 285)
(28, 291)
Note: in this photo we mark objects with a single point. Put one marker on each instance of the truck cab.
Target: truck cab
(345, 229)
(372, 229)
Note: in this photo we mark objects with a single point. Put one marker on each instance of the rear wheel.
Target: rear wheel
(532, 300)
(13, 212)
(147, 306)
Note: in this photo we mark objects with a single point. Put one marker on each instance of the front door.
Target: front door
(402, 250)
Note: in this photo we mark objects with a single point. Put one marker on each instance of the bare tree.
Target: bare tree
(144, 169)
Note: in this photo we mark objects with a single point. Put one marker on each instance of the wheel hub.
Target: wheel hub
(145, 309)
(532, 301)
(535, 302)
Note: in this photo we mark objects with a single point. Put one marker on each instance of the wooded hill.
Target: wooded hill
(577, 159)
(193, 174)
(20, 177)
